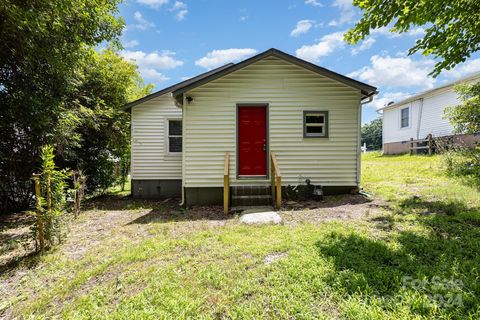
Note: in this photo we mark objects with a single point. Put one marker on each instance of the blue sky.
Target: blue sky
(173, 40)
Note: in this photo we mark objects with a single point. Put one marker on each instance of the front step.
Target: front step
(248, 196)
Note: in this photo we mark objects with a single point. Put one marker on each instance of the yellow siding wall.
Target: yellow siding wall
(210, 125)
(149, 158)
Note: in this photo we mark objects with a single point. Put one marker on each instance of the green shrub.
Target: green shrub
(463, 162)
(51, 204)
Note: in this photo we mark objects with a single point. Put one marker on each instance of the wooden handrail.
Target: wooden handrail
(276, 180)
(226, 186)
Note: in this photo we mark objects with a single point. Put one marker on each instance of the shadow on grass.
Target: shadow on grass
(177, 214)
(379, 269)
(29, 261)
(159, 211)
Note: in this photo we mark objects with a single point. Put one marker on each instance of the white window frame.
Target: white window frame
(167, 136)
(409, 117)
(324, 133)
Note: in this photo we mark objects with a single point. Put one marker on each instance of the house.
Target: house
(422, 115)
(244, 131)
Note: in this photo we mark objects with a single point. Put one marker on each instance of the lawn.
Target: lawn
(408, 251)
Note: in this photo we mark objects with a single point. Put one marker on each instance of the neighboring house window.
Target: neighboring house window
(405, 118)
(174, 136)
(315, 124)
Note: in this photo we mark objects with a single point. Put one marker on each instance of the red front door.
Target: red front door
(252, 141)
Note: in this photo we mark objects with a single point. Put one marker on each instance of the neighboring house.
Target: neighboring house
(420, 115)
(272, 103)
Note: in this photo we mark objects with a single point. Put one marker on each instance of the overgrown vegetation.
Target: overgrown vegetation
(412, 254)
(56, 89)
(372, 134)
(459, 160)
(49, 225)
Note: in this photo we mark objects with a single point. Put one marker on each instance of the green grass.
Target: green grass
(428, 229)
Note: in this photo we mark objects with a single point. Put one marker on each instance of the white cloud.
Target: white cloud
(180, 9)
(153, 3)
(178, 5)
(152, 74)
(347, 12)
(148, 63)
(416, 32)
(396, 72)
(181, 15)
(302, 27)
(130, 44)
(218, 58)
(383, 99)
(244, 15)
(366, 44)
(142, 23)
(164, 60)
(314, 3)
(324, 47)
(386, 31)
(463, 69)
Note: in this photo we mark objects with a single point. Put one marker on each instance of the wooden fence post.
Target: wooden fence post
(41, 232)
(430, 144)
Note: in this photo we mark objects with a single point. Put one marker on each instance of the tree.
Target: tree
(372, 134)
(465, 117)
(452, 27)
(103, 129)
(42, 43)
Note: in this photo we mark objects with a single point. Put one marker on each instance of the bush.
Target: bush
(463, 162)
(51, 192)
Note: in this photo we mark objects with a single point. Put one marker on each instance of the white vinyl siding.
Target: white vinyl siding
(425, 117)
(289, 90)
(150, 158)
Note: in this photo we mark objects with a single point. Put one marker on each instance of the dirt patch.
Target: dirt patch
(109, 222)
(344, 207)
(271, 258)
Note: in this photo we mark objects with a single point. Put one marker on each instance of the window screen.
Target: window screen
(405, 117)
(174, 136)
(315, 123)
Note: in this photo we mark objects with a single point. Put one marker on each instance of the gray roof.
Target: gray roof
(422, 94)
(367, 90)
(179, 88)
(173, 87)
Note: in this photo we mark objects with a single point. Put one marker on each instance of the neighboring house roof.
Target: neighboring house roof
(173, 87)
(180, 88)
(431, 91)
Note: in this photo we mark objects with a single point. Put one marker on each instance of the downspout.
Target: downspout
(419, 123)
(178, 105)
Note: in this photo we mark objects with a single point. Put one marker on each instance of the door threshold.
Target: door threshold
(252, 177)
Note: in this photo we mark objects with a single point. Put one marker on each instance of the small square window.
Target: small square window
(405, 118)
(174, 136)
(315, 124)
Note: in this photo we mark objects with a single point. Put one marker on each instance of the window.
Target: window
(315, 124)
(405, 118)
(174, 136)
